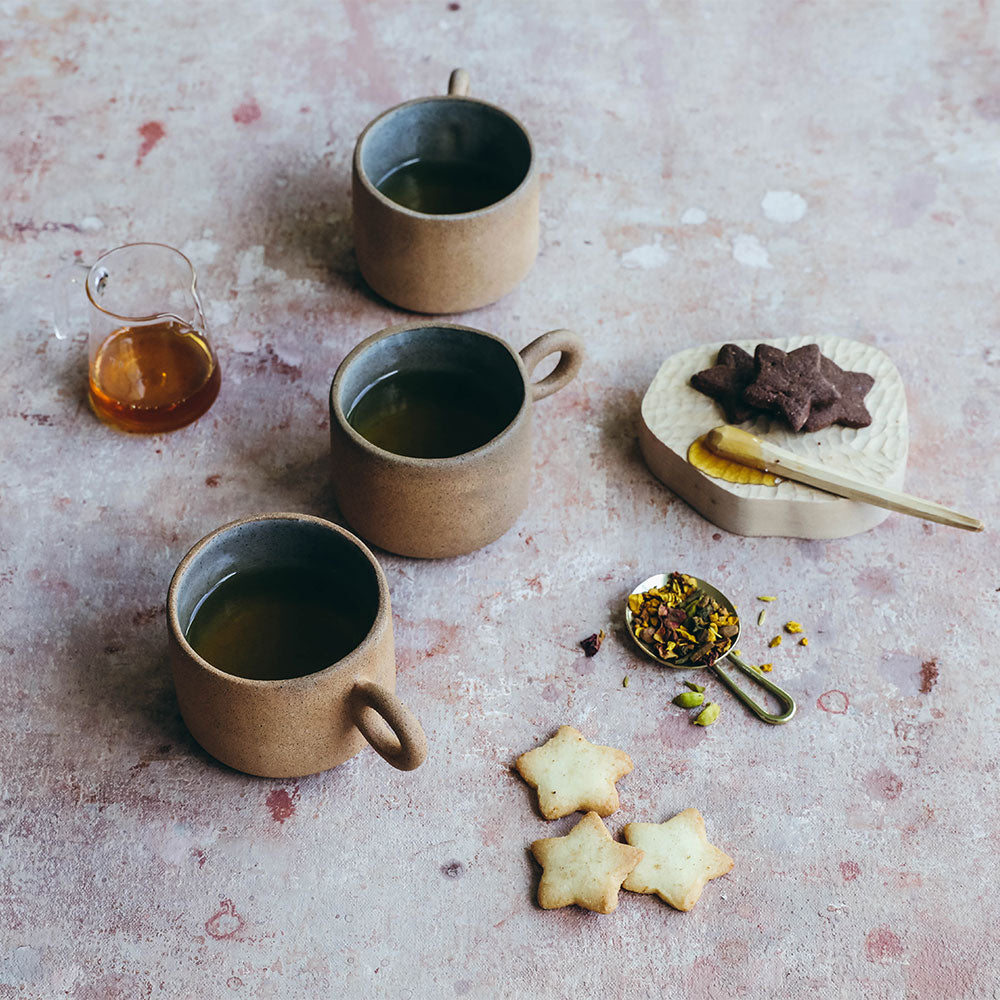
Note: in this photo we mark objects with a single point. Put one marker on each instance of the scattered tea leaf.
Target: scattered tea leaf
(592, 643)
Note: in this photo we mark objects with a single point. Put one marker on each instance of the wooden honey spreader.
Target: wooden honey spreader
(747, 449)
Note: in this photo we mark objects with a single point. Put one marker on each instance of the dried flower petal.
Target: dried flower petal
(592, 643)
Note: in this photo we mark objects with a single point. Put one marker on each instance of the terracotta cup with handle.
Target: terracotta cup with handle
(446, 504)
(430, 255)
(292, 723)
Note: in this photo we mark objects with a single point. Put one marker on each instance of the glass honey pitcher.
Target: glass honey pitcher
(151, 367)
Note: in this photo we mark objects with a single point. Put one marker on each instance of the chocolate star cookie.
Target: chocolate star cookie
(733, 372)
(850, 409)
(790, 384)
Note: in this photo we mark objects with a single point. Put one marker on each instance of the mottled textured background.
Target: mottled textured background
(710, 170)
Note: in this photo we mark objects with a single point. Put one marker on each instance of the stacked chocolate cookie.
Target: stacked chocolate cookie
(803, 386)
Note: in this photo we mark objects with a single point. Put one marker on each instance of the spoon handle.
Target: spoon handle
(786, 701)
(740, 446)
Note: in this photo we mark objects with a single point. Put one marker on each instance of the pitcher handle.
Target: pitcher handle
(399, 737)
(570, 347)
(68, 282)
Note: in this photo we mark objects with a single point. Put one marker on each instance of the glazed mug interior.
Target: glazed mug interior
(446, 131)
(455, 356)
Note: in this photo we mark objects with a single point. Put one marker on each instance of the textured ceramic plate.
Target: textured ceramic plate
(674, 415)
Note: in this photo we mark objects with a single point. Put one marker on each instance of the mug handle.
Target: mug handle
(571, 351)
(406, 746)
(458, 83)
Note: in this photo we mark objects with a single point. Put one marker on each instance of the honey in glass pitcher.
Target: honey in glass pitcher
(151, 365)
(153, 378)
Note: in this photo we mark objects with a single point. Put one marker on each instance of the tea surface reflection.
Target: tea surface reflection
(276, 622)
(430, 414)
(447, 187)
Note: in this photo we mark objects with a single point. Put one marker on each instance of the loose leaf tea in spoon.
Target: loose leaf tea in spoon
(682, 623)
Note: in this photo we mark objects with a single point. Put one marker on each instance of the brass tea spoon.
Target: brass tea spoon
(783, 697)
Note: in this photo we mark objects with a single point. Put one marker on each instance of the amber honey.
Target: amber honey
(147, 379)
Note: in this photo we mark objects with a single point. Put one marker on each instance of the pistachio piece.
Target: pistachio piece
(689, 699)
(708, 714)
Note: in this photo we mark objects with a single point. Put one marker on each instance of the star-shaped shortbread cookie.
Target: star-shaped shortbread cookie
(678, 859)
(585, 867)
(571, 773)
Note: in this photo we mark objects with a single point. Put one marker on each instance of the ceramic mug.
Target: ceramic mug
(431, 262)
(295, 725)
(446, 506)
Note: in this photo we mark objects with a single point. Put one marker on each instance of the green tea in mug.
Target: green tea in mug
(430, 414)
(277, 622)
(447, 187)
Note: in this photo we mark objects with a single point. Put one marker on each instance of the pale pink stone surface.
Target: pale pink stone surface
(865, 833)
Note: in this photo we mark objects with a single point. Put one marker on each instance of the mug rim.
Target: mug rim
(372, 190)
(447, 461)
(128, 246)
(373, 636)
